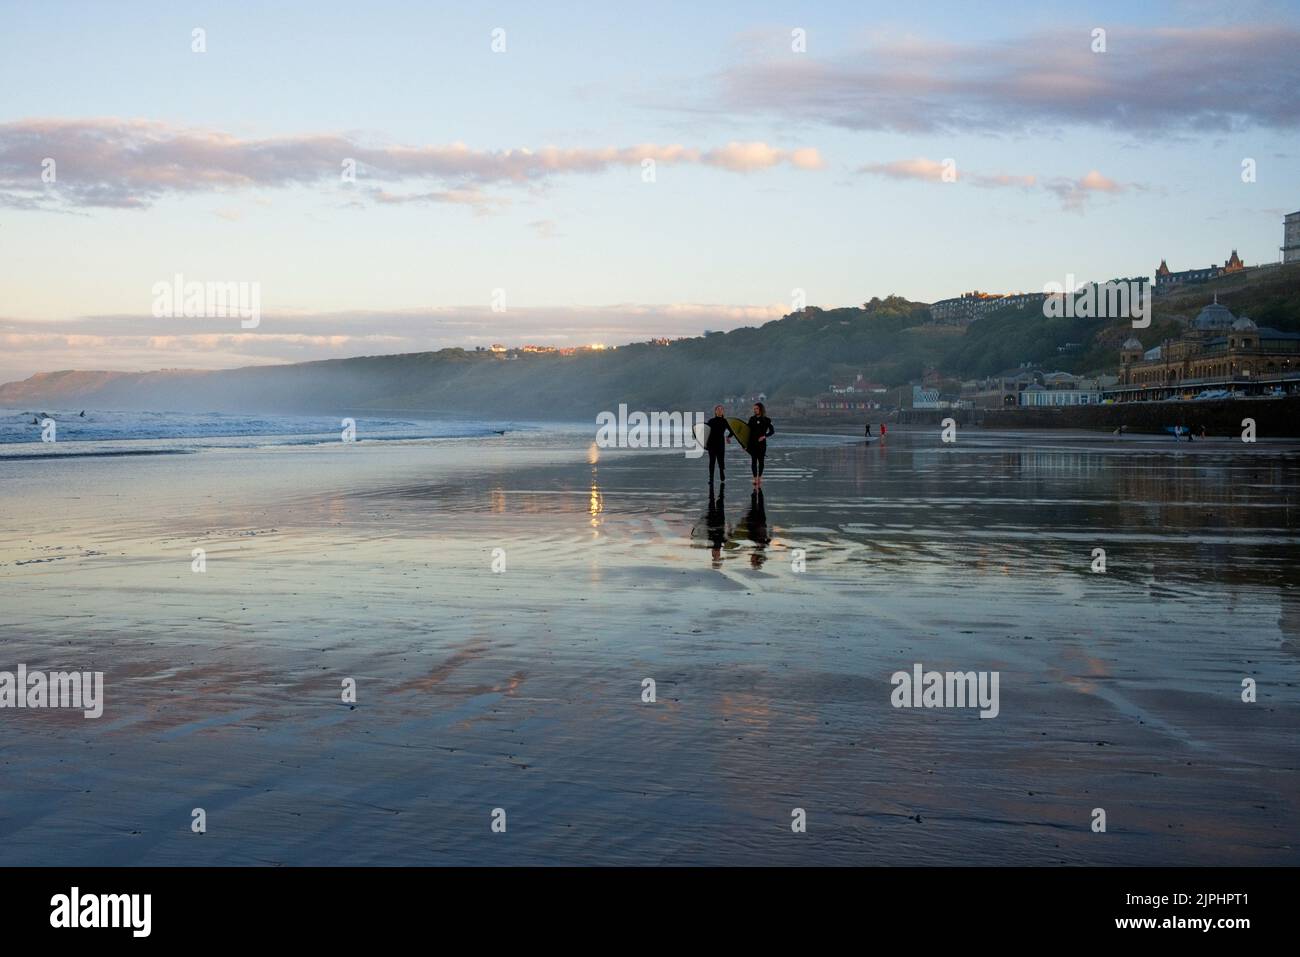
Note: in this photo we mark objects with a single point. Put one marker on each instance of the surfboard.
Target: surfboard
(701, 432)
(740, 429)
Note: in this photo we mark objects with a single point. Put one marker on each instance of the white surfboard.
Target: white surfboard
(701, 432)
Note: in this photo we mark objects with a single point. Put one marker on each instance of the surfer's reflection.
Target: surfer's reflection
(713, 527)
(716, 526)
(755, 527)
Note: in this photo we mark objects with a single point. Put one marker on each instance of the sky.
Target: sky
(594, 172)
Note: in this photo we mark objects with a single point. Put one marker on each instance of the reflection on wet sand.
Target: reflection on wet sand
(1119, 689)
(754, 527)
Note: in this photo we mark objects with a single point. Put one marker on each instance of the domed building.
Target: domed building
(1219, 350)
(1213, 319)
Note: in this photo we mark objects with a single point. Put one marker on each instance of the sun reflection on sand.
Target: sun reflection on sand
(596, 503)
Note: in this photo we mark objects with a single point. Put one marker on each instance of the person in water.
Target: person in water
(760, 427)
(719, 434)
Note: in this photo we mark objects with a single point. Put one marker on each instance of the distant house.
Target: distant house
(858, 386)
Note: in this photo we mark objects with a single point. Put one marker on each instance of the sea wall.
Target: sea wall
(1274, 418)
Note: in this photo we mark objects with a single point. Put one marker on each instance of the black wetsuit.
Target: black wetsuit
(759, 425)
(719, 429)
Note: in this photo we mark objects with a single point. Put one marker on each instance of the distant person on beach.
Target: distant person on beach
(1203, 433)
(884, 430)
(868, 430)
(760, 427)
(719, 435)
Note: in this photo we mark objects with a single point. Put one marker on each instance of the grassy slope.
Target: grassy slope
(889, 341)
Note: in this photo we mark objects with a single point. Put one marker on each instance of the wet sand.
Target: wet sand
(522, 689)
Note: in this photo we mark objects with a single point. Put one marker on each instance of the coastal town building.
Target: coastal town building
(859, 386)
(969, 306)
(1218, 350)
(929, 398)
(1291, 238)
(1040, 395)
(1028, 386)
(1168, 280)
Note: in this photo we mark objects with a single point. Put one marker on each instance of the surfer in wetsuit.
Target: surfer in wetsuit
(760, 427)
(719, 434)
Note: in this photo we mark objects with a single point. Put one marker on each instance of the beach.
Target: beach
(499, 602)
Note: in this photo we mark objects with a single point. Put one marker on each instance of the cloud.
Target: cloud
(747, 157)
(995, 180)
(1072, 193)
(132, 164)
(1149, 80)
(472, 196)
(920, 168)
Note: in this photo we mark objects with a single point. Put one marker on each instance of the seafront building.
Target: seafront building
(1218, 351)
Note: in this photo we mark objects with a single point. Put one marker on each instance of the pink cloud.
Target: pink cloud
(133, 163)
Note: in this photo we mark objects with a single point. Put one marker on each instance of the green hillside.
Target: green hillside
(890, 341)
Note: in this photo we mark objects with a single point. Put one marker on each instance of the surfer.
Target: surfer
(760, 427)
(719, 434)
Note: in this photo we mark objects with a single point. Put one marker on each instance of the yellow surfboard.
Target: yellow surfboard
(740, 429)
